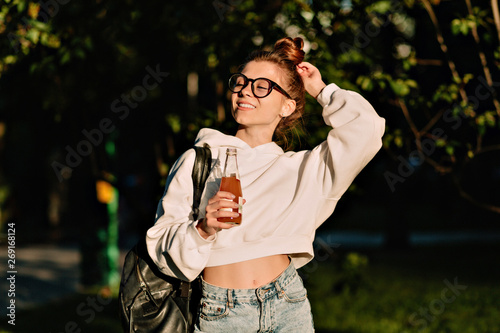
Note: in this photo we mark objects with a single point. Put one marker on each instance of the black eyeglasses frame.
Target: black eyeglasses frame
(273, 85)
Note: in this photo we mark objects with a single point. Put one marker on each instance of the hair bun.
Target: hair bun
(291, 49)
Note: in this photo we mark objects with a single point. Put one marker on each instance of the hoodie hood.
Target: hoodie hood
(216, 139)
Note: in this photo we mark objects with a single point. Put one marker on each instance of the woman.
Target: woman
(249, 277)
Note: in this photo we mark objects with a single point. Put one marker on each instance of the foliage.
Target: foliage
(434, 77)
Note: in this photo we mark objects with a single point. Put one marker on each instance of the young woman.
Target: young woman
(249, 277)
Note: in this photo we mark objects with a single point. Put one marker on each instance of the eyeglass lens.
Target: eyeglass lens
(260, 87)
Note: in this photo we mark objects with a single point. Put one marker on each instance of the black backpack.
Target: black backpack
(151, 301)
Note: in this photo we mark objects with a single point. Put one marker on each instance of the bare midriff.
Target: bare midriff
(247, 274)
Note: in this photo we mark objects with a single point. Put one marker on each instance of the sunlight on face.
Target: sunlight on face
(250, 111)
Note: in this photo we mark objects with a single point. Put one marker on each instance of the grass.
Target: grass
(79, 313)
(441, 289)
(354, 292)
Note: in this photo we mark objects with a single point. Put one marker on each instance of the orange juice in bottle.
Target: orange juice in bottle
(230, 182)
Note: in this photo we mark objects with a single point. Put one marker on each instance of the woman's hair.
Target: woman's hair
(287, 54)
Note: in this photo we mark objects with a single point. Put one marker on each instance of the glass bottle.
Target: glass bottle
(230, 182)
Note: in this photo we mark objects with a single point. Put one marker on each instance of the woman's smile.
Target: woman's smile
(244, 105)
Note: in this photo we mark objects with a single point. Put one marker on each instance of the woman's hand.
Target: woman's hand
(311, 77)
(210, 225)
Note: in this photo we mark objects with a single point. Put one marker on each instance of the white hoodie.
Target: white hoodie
(288, 195)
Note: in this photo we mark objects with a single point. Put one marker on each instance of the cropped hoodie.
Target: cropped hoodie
(288, 194)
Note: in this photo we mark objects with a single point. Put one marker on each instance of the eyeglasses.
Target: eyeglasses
(261, 87)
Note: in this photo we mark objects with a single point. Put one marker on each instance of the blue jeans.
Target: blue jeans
(279, 306)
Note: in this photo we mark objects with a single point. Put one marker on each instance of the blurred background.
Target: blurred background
(99, 98)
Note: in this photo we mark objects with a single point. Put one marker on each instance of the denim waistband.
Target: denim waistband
(268, 290)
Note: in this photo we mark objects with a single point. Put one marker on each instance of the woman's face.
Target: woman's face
(264, 113)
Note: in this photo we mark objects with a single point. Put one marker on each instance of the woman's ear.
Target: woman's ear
(288, 108)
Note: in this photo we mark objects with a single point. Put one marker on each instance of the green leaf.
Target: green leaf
(399, 87)
(455, 26)
(489, 118)
(66, 57)
(467, 77)
(87, 43)
(481, 124)
(387, 139)
(440, 143)
(461, 26)
(412, 83)
(79, 53)
(33, 36)
(398, 141)
(450, 150)
(381, 7)
(365, 83)
(174, 121)
(410, 3)
(464, 29)
(21, 6)
(50, 40)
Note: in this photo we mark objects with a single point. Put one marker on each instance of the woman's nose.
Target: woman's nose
(247, 90)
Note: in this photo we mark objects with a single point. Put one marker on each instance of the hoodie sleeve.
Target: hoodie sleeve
(173, 242)
(355, 138)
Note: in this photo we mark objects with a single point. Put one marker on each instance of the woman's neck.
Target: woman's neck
(254, 137)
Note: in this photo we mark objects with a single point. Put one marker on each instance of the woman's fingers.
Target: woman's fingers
(221, 195)
(311, 77)
(221, 200)
(305, 69)
(220, 205)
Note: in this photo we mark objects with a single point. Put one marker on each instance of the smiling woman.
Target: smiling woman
(248, 274)
(280, 68)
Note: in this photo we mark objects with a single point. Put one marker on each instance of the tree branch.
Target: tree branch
(418, 137)
(429, 62)
(487, 149)
(432, 122)
(482, 56)
(464, 194)
(437, 166)
(470, 198)
(496, 16)
(406, 113)
(444, 48)
(479, 143)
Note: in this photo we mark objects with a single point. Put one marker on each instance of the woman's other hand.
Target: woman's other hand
(311, 77)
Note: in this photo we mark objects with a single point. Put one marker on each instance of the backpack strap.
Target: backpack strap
(201, 168)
